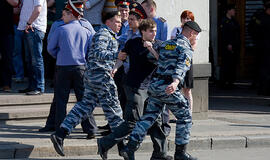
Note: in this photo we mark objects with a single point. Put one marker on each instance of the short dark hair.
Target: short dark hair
(150, 3)
(147, 24)
(108, 15)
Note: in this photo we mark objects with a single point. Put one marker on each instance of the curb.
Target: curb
(80, 147)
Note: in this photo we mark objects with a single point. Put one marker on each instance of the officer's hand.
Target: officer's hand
(113, 72)
(122, 56)
(170, 89)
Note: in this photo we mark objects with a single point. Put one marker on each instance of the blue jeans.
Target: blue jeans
(34, 60)
(17, 53)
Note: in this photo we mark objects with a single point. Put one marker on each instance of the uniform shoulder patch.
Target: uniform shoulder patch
(169, 45)
(162, 19)
(187, 62)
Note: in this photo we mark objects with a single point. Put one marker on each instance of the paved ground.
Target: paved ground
(237, 118)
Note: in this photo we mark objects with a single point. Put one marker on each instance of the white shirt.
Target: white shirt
(40, 22)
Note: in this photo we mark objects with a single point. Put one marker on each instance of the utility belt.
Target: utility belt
(166, 78)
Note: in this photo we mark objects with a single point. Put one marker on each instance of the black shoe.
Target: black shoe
(101, 151)
(90, 136)
(105, 133)
(127, 154)
(58, 144)
(162, 158)
(106, 127)
(184, 156)
(33, 93)
(24, 90)
(46, 129)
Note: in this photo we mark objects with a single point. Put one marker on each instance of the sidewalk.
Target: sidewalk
(237, 118)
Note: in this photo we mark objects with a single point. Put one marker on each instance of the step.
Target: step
(13, 99)
(38, 111)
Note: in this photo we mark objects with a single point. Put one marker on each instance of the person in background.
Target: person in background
(230, 45)
(150, 8)
(18, 46)
(70, 64)
(188, 82)
(93, 12)
(33, 21)
(6, 43)
(260, 33)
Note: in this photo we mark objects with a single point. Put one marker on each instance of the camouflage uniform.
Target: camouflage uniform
(100, 88)
(174, 61)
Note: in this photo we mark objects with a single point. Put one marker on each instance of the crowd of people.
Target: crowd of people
(114, 54)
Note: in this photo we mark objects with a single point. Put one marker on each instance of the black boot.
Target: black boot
(101, 150)
(181, 154)
(128, 151)
(167, 157)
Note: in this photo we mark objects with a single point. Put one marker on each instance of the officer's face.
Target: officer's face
(114, 23)
(124, 13)
(133, 22)
(232, 12)
(67, 16)
(149, 34)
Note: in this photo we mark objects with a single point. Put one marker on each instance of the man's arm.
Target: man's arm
(90, 3)
(33, 17)
(13, 3)
(52, 46)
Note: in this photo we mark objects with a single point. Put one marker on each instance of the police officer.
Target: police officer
(260, 33)
(70, 55)
(174, 61)
(230, 41)
(100, 88)
(123, 8)
(150, 8)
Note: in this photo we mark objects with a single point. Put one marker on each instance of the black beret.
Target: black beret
(193, 25)
(136, 8)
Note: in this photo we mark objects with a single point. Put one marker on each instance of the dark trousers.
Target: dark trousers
(6, 49)
(133, 112)
(65, 78)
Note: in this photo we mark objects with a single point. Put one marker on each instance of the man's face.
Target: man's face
(133, 22)
(124, 13)
(193, 36)
(149, 34)
(146, 9)
(232, 12)
(114, 23)
(66, 16)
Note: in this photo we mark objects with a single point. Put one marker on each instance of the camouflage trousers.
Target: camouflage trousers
(104, 95)
(177, 104)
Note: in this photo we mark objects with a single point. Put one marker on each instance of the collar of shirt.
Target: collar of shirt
(180, 36)
(110, 30)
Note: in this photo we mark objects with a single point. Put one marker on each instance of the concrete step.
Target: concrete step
(37, 111)
(14, 99)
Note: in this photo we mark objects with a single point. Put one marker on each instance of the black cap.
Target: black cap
(123, 3)
(137, 9)
(193, 25)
